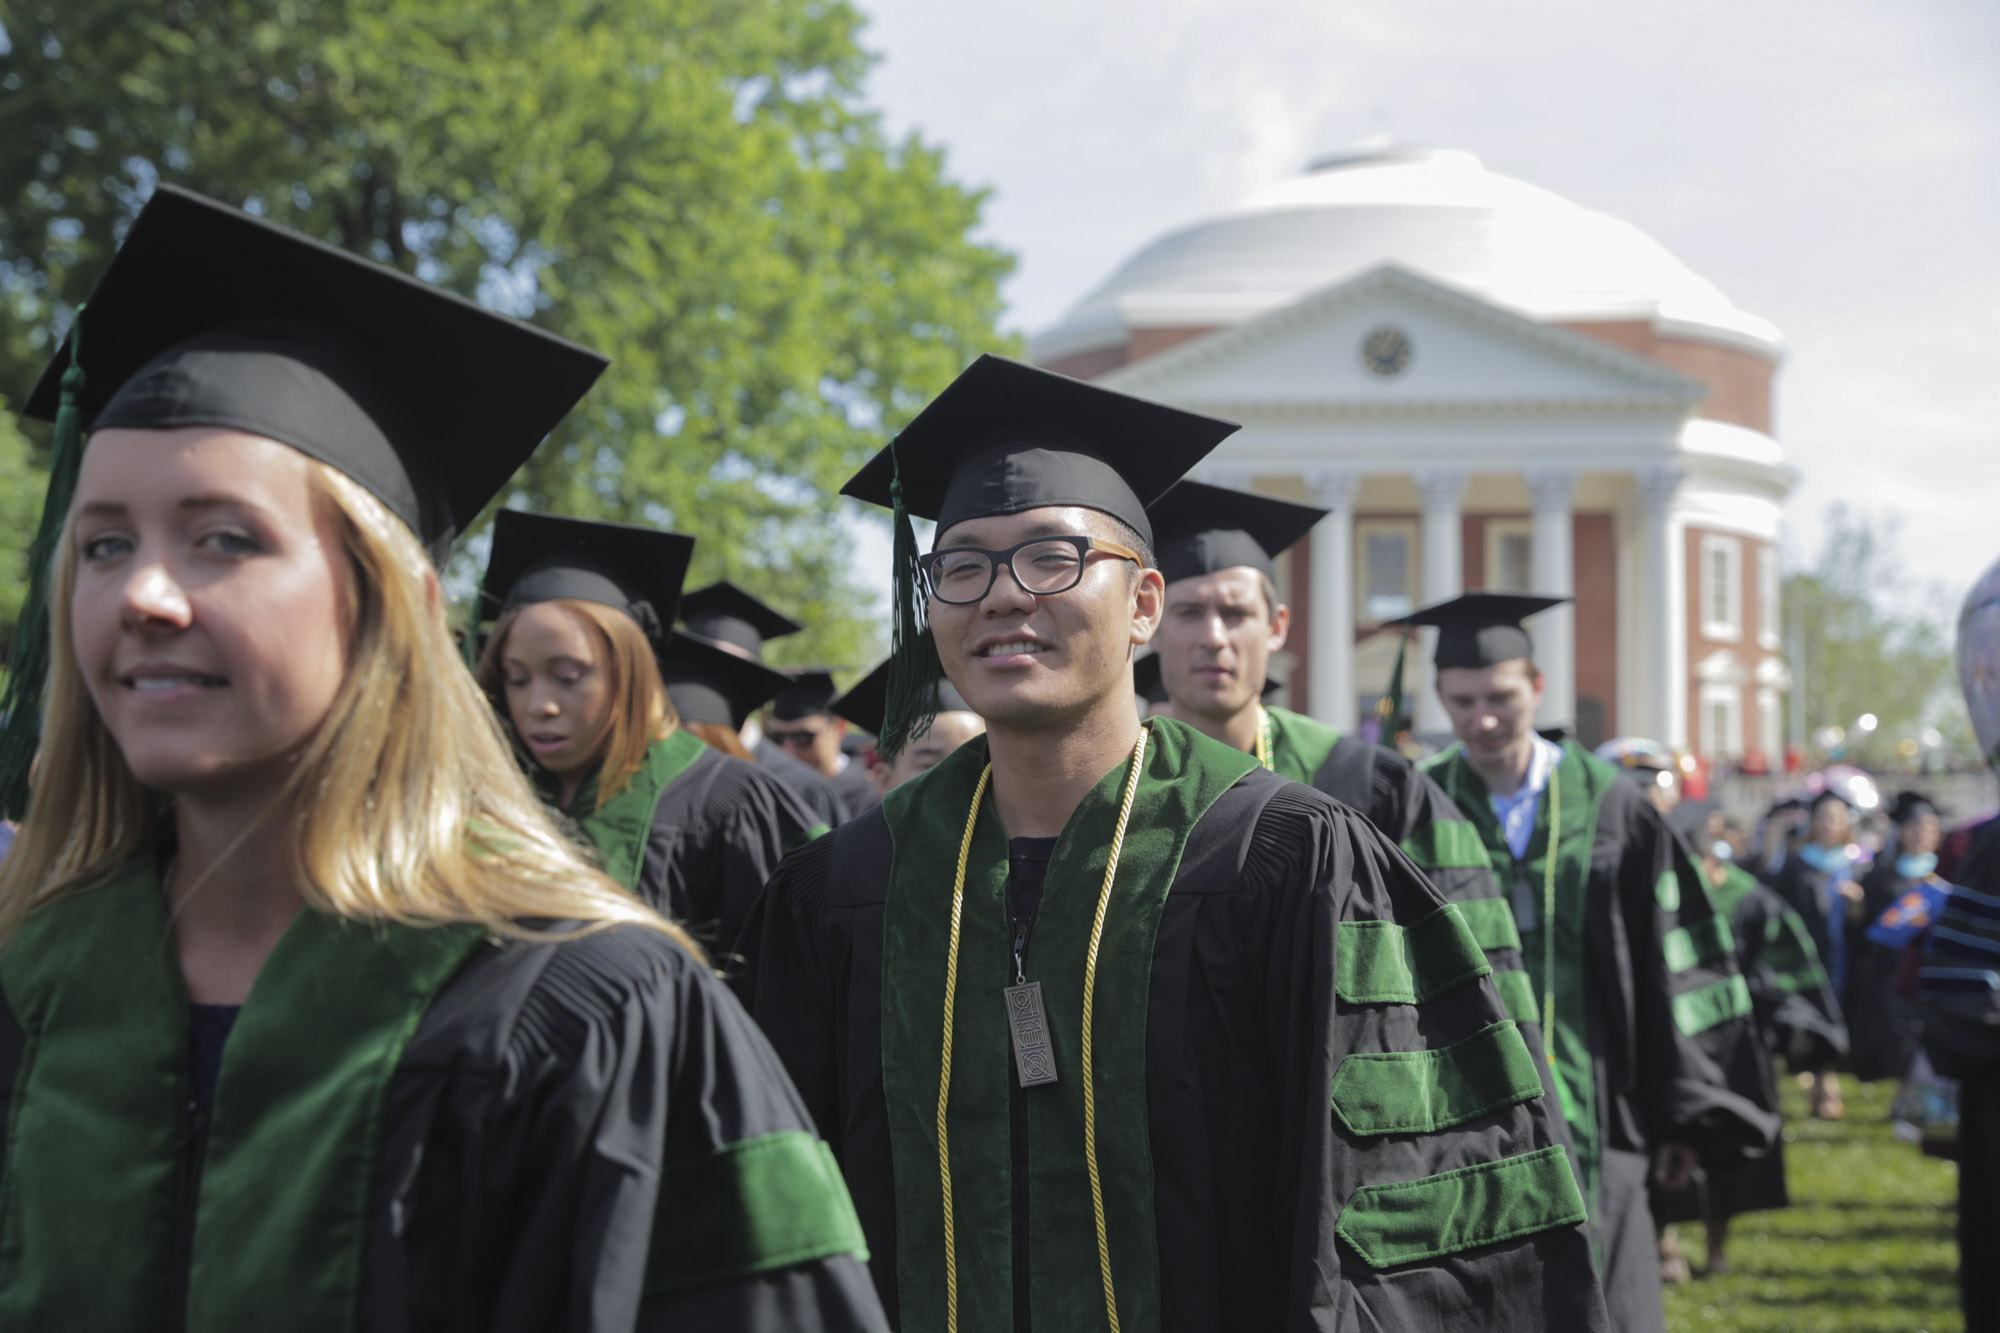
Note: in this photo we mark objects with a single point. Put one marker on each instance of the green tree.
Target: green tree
(1863, 638)
(694, 187)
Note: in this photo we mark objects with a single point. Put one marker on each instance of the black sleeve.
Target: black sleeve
(598, 1138)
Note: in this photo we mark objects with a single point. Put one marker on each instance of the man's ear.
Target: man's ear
(1149, 605)
(1281, 626)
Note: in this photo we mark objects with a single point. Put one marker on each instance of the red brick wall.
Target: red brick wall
(1739, 382)
(1746, 646)
(1596, 621)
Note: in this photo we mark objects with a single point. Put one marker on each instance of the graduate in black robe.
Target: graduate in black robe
(1644, 1011)
(1818, 880)
(867, 701)
(692, 831)
(1217, 550)
(310, 1019)
(731, 619)
(802, 722)
(1883, 1022)
(1101, 1015)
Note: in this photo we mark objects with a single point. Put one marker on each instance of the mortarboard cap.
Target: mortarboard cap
(1911, 805)
(724, 613)
(547, 557)
(1199, 529)
(708, 683)
(1480, 629)
(1004, 437)
(208, 316)
(807, 693)
(864, 703)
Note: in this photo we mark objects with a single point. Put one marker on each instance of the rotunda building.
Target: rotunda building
(1491, 387)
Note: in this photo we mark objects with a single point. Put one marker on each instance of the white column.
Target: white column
(1663, 585)
(1330, 619)
(1233, 478)
(1441, 490)
(1554, 575)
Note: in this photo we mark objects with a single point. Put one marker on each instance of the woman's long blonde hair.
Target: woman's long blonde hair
(405, 806)
(640, 712)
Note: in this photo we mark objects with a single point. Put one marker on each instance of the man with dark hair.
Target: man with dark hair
(1223, 623)
(802, 720)
(1109, 1026)
(1633, 971)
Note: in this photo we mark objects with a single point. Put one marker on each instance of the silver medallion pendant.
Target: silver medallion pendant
(1033, 1060)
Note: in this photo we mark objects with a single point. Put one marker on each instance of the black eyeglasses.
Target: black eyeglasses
(1044, 566)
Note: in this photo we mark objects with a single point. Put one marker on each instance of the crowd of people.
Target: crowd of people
(571, 967)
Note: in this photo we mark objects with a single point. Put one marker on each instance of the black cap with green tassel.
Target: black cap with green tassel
(28, 656)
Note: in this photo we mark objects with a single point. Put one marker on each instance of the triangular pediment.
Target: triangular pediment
(1392, 340)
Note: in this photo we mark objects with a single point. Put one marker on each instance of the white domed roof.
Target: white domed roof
(1437, 212)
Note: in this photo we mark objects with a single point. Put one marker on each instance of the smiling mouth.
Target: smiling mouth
(161, 684)
(1012, 648)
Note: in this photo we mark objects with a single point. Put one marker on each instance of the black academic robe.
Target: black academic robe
(586, 1134)
(1882, 1024)
(695, 834)
(852, 785)
(1805, 889)
(803, 781)
(1651, 1016)
(1258, 1000)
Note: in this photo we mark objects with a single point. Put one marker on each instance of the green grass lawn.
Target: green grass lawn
(1866, 1245)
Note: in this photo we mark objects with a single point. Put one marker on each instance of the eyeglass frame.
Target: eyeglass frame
(928, 562)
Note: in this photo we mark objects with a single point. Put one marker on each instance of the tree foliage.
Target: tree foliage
(1864, 638)
(694, 187)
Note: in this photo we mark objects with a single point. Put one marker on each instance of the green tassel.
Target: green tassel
(912, 695)
(28, 662)
(1389, 708)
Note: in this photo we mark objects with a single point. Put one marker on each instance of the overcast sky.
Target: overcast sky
(1833, 165)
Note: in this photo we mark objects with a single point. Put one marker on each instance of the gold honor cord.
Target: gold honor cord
(1089, 993)
(1265, 745)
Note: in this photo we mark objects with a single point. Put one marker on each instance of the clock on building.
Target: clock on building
(1386, 351)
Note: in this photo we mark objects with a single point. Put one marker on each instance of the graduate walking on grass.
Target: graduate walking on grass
(312, 1019)
(1633, 971)
(1109, 1026)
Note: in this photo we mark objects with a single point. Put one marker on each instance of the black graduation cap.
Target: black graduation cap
(1479, 629)
(1910, 805)
(1152, 686)
(1199, 529)
(808, 692)
(865, 701)
(1004, 437)
(545, 557)
(725, 613)
(208, 316)
(712, 684)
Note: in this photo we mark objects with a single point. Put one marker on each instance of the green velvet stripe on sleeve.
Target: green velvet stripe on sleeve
(1417, 1220)
(1442, 844)
(752, 1207)
(1492, 922)
(1517, 994)
(1381, 962)
(1704, 942)
(1421, 1092)
(1697, 1011)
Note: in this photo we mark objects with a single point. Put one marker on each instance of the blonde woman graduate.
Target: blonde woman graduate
(574, 665)
(309, 1017)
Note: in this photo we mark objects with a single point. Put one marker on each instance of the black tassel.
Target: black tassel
(28, 661)
(912, 693)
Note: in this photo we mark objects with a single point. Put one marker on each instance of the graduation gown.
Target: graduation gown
(1417, 815)
(695, 834)
(851, 784)
(1310, 1109)
(411, 1130)
(814, 792)
(1649, 1013)
(1837, 934)
(1882, 1025)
